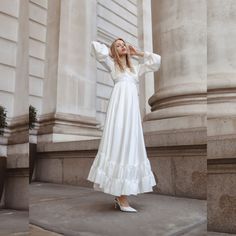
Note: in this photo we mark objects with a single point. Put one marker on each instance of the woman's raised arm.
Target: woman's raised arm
(152, 63)
(102, 53)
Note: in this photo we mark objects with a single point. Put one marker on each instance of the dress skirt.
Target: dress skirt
(121, 166)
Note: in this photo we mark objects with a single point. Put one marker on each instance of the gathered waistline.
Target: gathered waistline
(132, 80)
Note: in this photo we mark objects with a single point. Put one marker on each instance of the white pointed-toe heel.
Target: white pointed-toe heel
(123, 208)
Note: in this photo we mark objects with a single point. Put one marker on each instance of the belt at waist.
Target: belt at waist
(129, 79)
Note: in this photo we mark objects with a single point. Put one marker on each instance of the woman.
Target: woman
(121, 166)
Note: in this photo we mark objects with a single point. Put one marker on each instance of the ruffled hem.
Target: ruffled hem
(117, 179)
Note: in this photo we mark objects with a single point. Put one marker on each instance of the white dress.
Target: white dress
(121, 166)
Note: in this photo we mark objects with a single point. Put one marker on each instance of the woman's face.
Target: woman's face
(121, 47)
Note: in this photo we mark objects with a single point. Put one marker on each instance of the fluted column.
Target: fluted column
(221, 114)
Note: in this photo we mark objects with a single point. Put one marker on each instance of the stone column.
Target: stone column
(69, 103)
(176, 125)
(221, 114)
(179, 35)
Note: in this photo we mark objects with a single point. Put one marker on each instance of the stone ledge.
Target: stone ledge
(192, 137)
(221, 166)
(69, 146)
(223, 146)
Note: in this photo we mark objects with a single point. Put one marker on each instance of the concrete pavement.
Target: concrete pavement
(14, 222)
(73, 210)
(38, 231)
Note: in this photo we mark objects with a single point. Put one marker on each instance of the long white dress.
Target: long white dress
(121, 166)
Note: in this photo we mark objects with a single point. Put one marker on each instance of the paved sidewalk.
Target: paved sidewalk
(38, 231)
(73, 210)
(14, 222)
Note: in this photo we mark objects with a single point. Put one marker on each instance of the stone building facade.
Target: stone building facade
(188, 106)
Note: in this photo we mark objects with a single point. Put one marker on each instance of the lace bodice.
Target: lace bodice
(151, 63)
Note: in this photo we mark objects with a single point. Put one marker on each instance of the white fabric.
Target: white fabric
(121, 166)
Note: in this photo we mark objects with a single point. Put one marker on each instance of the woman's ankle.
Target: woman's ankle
(123, 198)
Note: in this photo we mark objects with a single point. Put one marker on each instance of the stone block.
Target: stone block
(7, 79)
(36, 67)
(18, 156)
(107, 26)
(190, 176)
(7, 52)
(7, 101)
(76, 170)
(221, 199)
(120, 10)
(117, 19)
(42, 3)
(37, 49)
(35, 86)
(161, 167)
(10, 7)
(179, 172)
(16, 189)
(221, 147)
(49, 170)
(37, 31)
(37, 14)
(8, 27)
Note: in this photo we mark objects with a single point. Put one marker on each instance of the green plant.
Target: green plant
(3, 116)
(32, 116)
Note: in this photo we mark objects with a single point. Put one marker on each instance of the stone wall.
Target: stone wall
(115, 19)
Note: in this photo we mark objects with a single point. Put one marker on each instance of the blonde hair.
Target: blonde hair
(116, 57)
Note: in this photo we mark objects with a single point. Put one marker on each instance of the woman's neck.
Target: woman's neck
(123, 61)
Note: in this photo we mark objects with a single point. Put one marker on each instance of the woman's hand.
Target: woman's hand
(133, 51)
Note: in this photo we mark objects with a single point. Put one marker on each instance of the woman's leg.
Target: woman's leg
(123, 199)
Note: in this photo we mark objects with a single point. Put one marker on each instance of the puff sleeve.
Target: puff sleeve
(152, 63)
(101, 52)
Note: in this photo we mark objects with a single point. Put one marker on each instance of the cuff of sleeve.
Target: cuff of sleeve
(146, 53)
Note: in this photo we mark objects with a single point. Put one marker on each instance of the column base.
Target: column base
(177, 151)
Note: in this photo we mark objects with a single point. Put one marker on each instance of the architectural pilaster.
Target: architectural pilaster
(69, 102)
(14, 144)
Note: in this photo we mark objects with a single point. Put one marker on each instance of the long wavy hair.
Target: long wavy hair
(116, 57)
